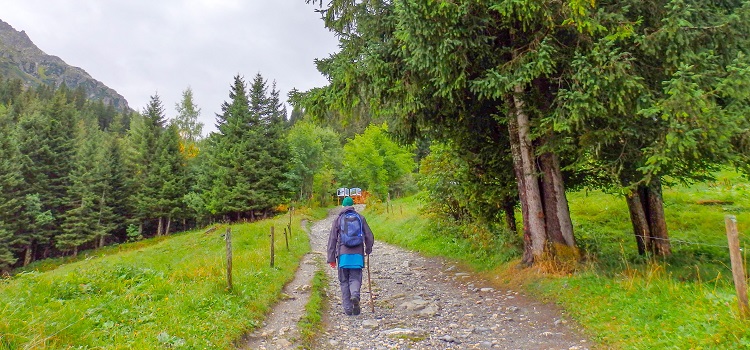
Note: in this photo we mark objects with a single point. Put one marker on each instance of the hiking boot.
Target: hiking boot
(347, 312)
(355, 306)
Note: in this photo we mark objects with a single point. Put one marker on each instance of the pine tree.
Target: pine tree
(170, 169)
(235, 151)
(35, 157)
(118, 185)
(274, 187)
(144, 137)
(11, 193)
(61, 139)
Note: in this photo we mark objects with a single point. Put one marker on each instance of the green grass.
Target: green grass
(407, 227)
(311, 322)
(687, 301)
(165, 293)
(623, 300)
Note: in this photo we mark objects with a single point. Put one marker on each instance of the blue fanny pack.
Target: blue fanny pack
(351, 261)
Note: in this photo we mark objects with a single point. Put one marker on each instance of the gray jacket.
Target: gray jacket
(336, 248)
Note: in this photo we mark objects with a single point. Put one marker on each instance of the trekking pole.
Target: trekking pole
(369, 285)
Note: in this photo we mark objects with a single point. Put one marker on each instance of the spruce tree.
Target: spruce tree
(35, 157)
(144, 137)
(274, 187)
(236, 149)
(119, 187)
(11, 193)
(61, 135)
(79, 224)
(170, 169)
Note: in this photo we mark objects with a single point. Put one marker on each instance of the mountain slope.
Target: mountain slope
(21, 58)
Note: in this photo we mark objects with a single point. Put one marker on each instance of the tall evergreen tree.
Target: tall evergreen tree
(118, 185)
(11, 193)
(35, 158)
(273, 186)
(61, 115)
(237, 147)
(170, 169)
(144, 138)
(79, 224)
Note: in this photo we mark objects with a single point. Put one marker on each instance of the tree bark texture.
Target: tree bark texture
(659, 235)
(160, 227)
(549, 199)
(28, 254)
(531, 186)
(646, 207)
(556, 210)
(638, 220)
(515, 149)
(169, 223)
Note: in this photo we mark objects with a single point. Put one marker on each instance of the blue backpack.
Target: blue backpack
(351, 229)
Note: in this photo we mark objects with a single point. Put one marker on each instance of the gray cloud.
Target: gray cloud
(140, 47)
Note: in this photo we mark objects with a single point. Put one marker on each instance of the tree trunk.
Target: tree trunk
(160, 226)
(549, 200)
(646, 208)
(515, 149)
(537, 230)
(101, 241)
(75, 251)
(656, 220)
(28, 255)
(556, 210)
(638, 220)
(169, 223)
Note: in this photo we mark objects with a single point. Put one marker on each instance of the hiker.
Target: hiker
(348, 243)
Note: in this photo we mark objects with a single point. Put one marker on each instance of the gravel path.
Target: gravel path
(426, 303)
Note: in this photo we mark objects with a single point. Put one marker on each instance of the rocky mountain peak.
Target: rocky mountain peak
(21, 58)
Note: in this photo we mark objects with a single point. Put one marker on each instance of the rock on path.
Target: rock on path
(426, 303)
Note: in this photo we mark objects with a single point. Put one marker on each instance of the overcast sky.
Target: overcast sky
(140, 47)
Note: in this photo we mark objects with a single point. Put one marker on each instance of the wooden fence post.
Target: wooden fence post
(291, 212)
(738, 271)
(228, 238)
(272, 246)
(286, 239)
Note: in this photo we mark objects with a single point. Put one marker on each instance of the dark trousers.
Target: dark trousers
(351, 283)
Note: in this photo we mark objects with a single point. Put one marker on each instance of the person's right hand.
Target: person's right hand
(332, 265)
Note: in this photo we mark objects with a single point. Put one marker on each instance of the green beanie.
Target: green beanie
(347, 202)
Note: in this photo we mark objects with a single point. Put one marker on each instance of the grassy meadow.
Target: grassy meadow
(160, 293)
(623, 301)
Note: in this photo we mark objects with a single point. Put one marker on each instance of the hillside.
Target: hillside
(21, 58)
(165, 292)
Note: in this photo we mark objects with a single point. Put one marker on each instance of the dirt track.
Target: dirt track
(420, 303)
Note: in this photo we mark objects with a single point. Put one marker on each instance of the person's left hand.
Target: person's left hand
(332, 264)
